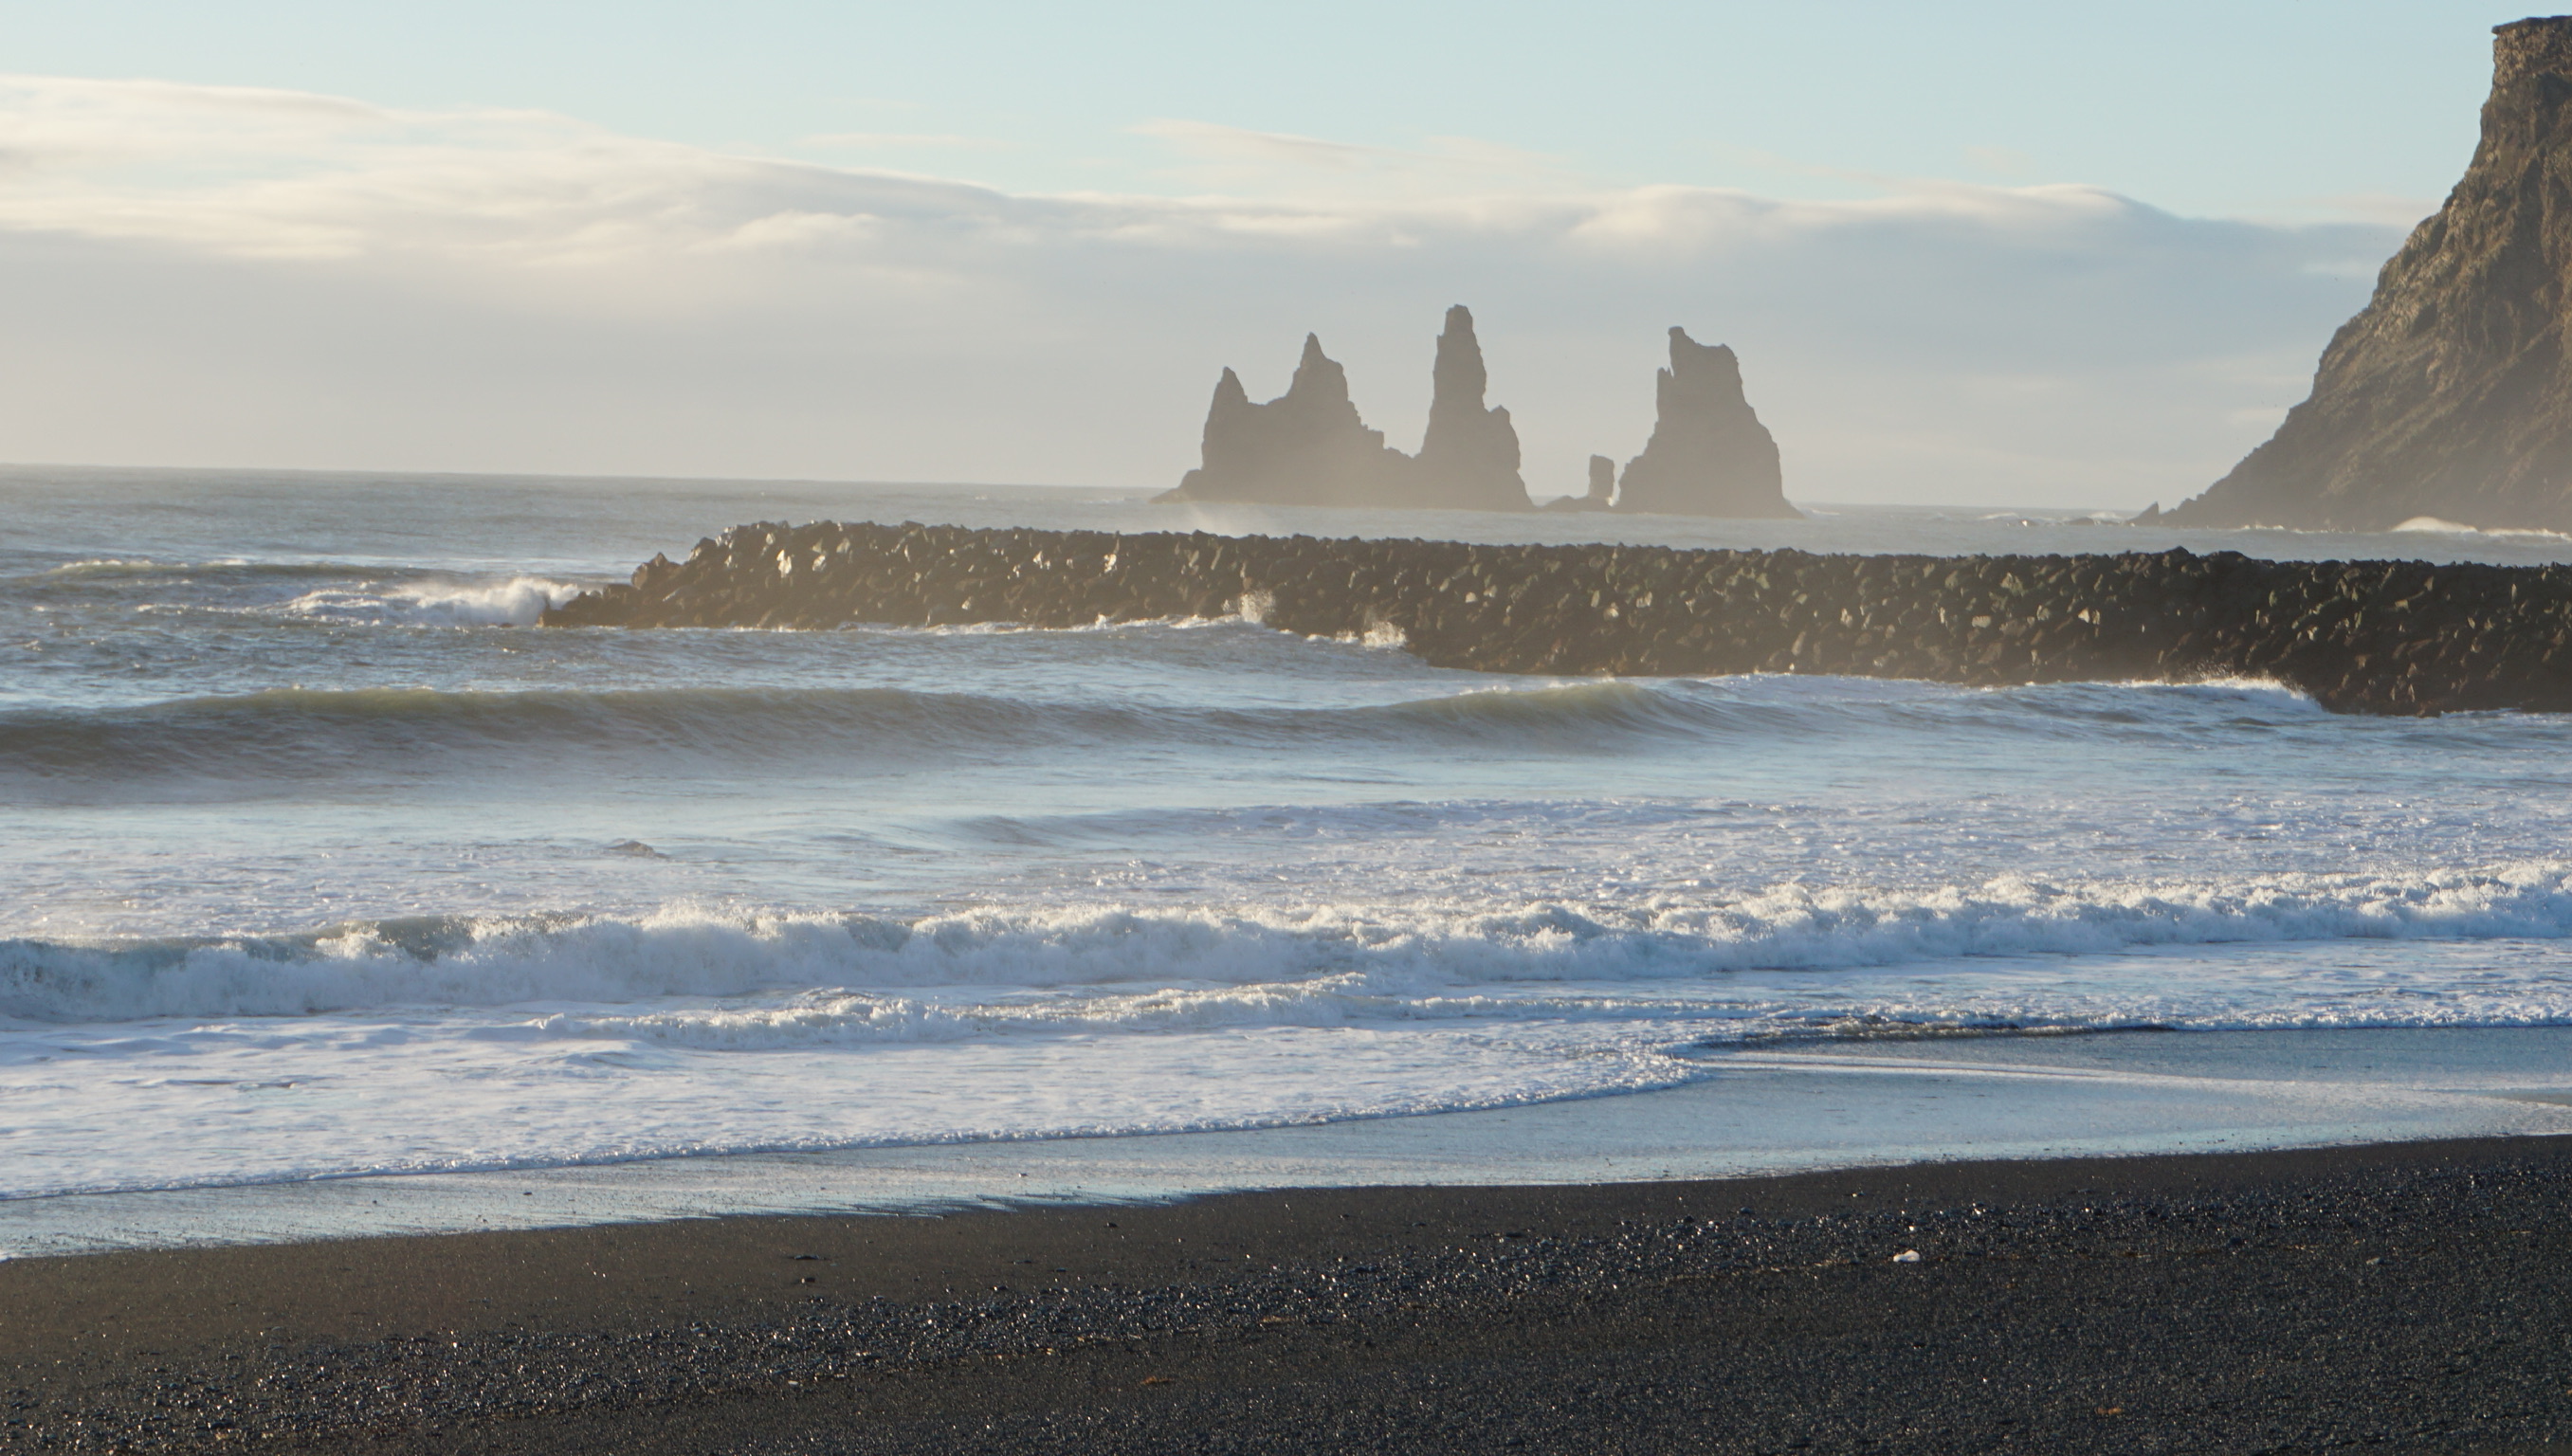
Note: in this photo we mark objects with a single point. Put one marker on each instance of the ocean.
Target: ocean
(325, 861)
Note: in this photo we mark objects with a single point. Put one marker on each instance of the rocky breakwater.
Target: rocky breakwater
(2398, 637)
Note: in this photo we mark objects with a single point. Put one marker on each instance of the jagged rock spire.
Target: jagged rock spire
(1469, 459)
(1709, 454)
(2450, 394)
(1309, 447)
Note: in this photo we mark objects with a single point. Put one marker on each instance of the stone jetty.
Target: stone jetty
(2396, 637)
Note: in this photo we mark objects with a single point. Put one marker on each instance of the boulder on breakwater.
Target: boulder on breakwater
(2400, 637)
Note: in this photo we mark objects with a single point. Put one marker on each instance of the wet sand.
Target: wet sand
(2406, 1296)
(1753, 1113)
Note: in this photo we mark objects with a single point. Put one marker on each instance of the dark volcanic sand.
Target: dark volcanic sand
(2403, 1297)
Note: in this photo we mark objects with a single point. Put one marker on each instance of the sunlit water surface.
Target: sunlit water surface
(322, 861)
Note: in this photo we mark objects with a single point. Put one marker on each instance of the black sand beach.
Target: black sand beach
(2397, 1297)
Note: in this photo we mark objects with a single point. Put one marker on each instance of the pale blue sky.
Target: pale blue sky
(2270, 108)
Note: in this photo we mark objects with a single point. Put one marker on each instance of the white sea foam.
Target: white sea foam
(2432, 526)
(1279, 964)
(516, 602)
(334, 1097)
(112, 566)
(173, 1103)
(2269, 692)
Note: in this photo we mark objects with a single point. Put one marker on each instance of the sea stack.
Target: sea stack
(1603, 489)
(1308, 446)
(1469, 459)
(2450, 395)
(1709, 454)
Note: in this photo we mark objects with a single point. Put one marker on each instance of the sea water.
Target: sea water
(322, 860)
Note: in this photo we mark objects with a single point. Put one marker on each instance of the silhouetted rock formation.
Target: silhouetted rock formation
(2362, 637)
(1309, 447)
(1709, 454)
(2450, 395)
(1602, 488)
(1469, 457)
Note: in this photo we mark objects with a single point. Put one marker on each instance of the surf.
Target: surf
(1273, 955)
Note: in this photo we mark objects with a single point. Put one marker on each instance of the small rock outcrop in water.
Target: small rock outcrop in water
(1709, 454)
(1308, 446)
(1603, 489)
(2450, 395)
(2360, 637)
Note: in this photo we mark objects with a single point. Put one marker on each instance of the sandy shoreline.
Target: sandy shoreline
(2406, 1296)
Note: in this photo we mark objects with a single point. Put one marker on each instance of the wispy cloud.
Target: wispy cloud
(2002, 160)
(1214, 142)
(1234, 158)
(2386, 209)
(891, 140)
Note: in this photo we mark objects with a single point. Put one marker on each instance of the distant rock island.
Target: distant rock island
(1309, 447)
(1603, 489)
(2450, 395)
(1469, 457)
(1709, 454)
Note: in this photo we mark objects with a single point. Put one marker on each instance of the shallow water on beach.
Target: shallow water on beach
(322, 862)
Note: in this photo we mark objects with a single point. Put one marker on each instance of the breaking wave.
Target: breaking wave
(516, 602)
(297, 736)
(863, 976)
(2433, 525)
(321, 591)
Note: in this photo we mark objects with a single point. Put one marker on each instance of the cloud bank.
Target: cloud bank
(204, 276)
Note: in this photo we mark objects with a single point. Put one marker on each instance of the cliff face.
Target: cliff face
(1709, 454)
(2450, 395)
(2362, 636)
(1309, 447)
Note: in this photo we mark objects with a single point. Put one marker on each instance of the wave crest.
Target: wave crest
(1280, 965)
(516, 602)
(228, 745)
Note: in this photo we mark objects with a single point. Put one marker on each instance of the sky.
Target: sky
(1985, 253)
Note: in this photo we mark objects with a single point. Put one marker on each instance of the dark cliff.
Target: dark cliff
(1308, 446)
(2450, 395)
(1709, 454)
(2365, 636)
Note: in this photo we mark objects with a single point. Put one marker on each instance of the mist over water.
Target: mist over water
(325, 861)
